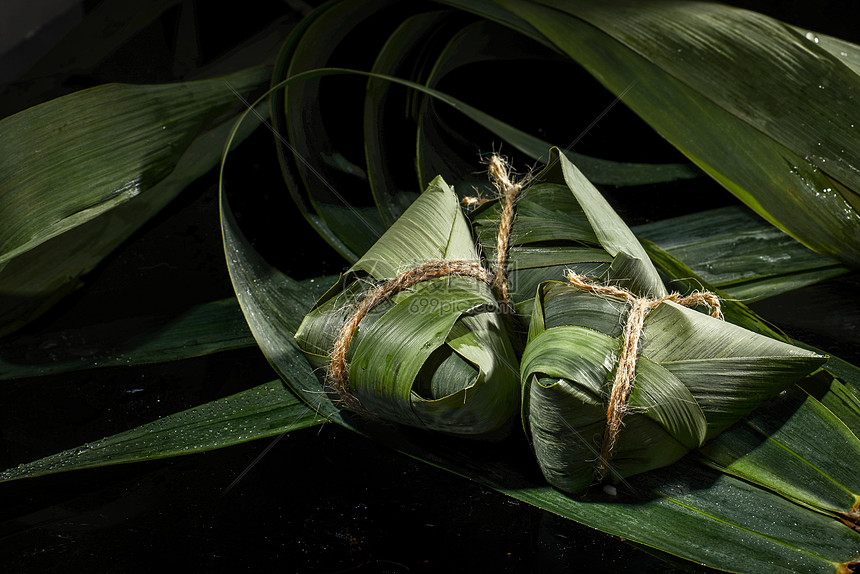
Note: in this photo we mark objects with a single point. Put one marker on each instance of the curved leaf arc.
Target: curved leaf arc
(785, 184)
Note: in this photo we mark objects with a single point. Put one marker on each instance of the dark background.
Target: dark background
(321, 500)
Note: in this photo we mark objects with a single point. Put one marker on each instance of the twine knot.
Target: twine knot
(624, 374)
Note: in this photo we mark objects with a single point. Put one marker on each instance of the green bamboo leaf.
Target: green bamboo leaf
(689, 511)
(732, 249)
(350, 230)
(684, 60)
(788, 446)
(263, 411)
(201, 330)
(439, 143)
(485, 41)
(123, 136)
(317, 173)
(491, 10)
(97, 164)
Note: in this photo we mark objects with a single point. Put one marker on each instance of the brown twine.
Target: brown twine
(623, 383)
(500, 176)
(499, 173)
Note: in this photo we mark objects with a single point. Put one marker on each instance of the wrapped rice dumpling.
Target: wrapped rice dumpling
(694, 376)
(431, 349)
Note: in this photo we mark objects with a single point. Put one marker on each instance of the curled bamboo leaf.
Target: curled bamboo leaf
(713, 80)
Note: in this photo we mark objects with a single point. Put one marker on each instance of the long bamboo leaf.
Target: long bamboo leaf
(79, 174)
(136, 129)
(788, 446)
(733, 249)
(262, 411)
(697, 61)
(201, 330)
